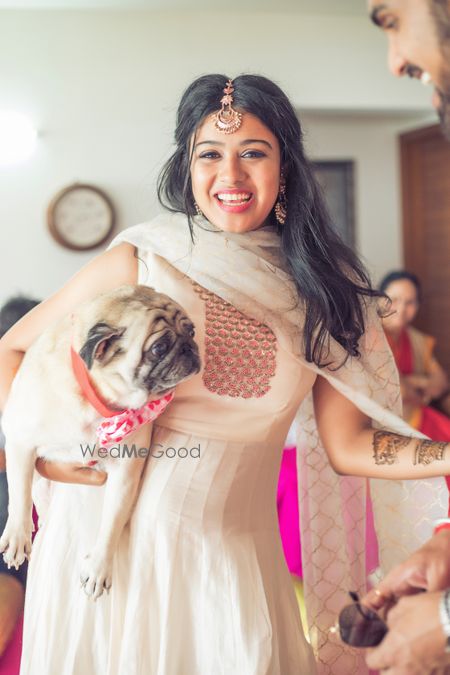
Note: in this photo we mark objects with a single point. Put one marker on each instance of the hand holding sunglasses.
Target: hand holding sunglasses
(360, 626)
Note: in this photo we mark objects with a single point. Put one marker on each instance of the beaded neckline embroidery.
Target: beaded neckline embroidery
(240, 352)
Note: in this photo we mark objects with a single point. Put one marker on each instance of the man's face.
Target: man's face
(419, 44)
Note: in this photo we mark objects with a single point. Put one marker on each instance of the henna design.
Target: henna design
(429, 451)
(386, 446)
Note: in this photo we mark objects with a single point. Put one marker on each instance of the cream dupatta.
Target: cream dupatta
(246, 271)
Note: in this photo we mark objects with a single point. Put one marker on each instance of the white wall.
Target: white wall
(371, 142)
(102, 87)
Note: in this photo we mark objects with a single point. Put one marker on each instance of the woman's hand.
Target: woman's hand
(429, 386)
(70, 473)
(412, 390)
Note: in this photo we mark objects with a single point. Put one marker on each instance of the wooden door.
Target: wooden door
(425, 165)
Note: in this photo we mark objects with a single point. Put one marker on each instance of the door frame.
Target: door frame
(412, 231)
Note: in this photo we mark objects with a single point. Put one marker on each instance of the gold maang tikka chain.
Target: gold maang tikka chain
(227, 120)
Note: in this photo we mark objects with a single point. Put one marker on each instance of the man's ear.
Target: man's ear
(99, 339)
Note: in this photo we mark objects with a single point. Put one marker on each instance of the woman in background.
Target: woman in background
(422, 378)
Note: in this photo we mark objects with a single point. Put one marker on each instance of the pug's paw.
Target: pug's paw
(95, 576)
(15, 543)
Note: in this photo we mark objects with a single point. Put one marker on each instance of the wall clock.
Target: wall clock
(80, 217)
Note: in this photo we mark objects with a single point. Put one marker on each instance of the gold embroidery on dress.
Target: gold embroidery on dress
(239, 351)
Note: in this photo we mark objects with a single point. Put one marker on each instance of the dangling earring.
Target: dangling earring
(198, 209)
(281, 205)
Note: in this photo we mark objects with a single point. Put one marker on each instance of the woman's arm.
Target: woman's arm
(437, 381)
(107, 271)
(354, 448)
(411, 393)
(70, 473)
(434, 382)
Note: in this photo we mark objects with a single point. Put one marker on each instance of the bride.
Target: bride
(287, 325)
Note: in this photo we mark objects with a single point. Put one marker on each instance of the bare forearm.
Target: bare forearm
(380, 454)
(433, 384)
(355, 448)
(83, 474)
(438, 384)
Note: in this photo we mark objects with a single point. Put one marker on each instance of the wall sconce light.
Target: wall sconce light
(17, 138)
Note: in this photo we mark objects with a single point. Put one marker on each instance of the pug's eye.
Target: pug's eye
(191, 332)
(159, 349)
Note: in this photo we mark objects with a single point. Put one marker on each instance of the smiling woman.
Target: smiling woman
(262, 164)
(287, 327)
(239, 175)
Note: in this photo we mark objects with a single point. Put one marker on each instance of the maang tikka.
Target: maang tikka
(227, 120)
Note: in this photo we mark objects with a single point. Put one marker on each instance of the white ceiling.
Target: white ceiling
(335, 7)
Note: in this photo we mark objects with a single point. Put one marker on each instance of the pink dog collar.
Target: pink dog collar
(118, 423)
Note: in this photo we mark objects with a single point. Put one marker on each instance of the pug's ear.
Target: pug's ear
(99, 339)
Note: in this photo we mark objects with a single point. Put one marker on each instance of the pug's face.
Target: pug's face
(140, 345)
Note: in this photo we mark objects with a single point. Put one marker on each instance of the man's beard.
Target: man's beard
(444, 90)
(441, 14)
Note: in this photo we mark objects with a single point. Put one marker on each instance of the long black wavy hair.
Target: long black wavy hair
(329, 277)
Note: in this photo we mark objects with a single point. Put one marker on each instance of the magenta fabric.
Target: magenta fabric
(288, 516)
(10, 661)
(435, 425)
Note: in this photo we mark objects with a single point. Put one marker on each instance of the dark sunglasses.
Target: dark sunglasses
(360, 626)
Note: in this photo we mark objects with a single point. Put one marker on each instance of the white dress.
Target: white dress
(200, 585)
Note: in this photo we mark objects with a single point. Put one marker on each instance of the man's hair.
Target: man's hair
(13, 310)
(440, 9)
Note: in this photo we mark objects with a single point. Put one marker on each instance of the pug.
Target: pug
(116, 353)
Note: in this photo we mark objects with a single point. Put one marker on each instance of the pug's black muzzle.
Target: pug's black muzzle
(166, 374)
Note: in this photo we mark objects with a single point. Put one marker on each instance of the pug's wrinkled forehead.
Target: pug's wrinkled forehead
(121, 302)
(128, 313)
